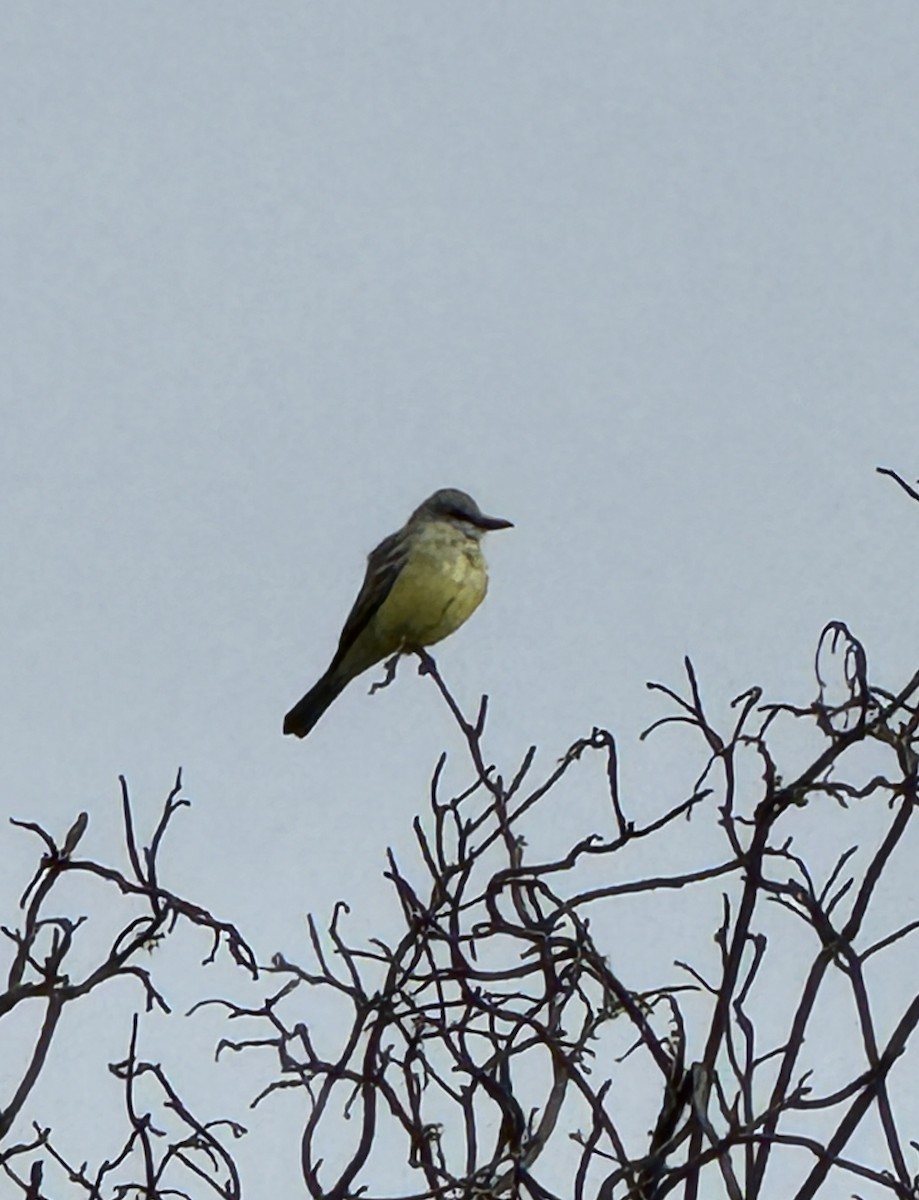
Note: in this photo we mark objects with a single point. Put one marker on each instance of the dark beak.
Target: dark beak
(484, 522)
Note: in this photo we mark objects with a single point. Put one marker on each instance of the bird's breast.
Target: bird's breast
(443, 582)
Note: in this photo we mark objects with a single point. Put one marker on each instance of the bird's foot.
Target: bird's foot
(390, 668)
(426, 663)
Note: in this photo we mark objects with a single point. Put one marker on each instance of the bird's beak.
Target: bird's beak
(484, 522)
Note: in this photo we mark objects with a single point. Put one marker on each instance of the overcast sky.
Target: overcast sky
(641, 277)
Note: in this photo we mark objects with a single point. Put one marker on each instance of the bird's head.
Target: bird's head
(459, 508)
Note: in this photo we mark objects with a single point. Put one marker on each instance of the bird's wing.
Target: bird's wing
(383, 567)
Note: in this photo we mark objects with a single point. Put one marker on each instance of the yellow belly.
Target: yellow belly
(440, 587)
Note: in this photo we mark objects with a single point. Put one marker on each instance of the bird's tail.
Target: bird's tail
(306, 712)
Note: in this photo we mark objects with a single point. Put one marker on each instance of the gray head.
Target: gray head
(450, 504)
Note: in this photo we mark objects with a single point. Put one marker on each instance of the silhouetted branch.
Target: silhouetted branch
(42, 972)
(902, 482)
(492, 1035)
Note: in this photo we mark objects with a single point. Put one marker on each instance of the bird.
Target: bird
(422, 583)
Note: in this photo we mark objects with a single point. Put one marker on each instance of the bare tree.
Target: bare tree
(156, 1156)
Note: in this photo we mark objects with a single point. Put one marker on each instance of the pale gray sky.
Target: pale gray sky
(640, 277)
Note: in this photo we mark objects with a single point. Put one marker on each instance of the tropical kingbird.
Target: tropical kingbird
(421, 584)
